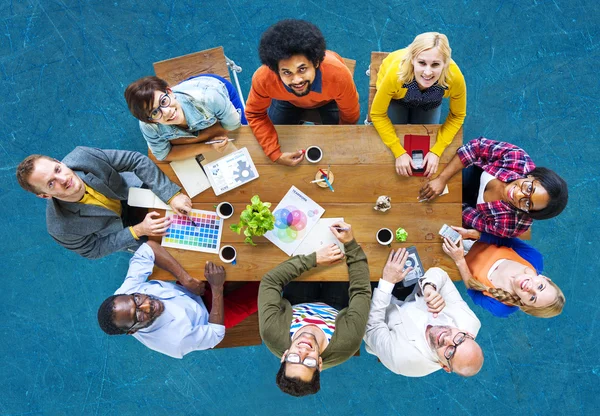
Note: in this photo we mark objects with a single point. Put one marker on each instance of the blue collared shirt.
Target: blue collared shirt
(315, 86)
(204, 101)
(183, 326)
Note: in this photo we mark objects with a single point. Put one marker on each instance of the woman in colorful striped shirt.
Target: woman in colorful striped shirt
(504, 274)
(503, 190)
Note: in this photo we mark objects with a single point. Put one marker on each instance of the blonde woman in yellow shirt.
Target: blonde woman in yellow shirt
(410, 86)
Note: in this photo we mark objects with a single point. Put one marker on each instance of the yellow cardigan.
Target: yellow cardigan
(388, 88)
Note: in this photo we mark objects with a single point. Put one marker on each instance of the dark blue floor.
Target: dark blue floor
(532, 74)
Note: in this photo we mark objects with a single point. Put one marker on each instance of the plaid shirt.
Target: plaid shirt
(507, 163)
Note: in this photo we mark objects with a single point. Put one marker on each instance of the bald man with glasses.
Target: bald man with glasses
(432, 329)
(174, 319)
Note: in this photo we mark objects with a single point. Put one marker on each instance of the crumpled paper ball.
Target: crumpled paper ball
(401, 235)
(383, 203)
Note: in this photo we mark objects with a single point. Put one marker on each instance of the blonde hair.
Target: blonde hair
(424, 42)
(548, 311)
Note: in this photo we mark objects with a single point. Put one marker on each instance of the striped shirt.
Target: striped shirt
(318, 314)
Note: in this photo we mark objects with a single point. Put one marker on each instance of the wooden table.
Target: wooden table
(364, 169)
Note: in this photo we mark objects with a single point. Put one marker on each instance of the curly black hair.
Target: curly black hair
(106, 317)
(295, 386)
(557, 191)
(291, 37)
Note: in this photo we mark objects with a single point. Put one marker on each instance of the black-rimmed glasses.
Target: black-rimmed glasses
(157, 113)
(527, 188)
(451, 349)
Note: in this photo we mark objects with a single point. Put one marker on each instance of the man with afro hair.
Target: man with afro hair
(297, 74)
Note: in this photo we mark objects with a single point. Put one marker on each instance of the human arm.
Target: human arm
(274, 311)
(187, 147)
(386, 88)
(346, 97)
(257, 104)
(436, 186)
(457, 91)
(457, 254)
(527, 252)
(502, 224)
(215, 276)
(165, 261)
(140, 268)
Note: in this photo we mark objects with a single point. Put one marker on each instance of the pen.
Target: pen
(342, 228)
(329, 184)
(218, 141)
(328, 170)
(317, 180)
(323, 172)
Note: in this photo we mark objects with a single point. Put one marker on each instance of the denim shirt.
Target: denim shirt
(204, 101)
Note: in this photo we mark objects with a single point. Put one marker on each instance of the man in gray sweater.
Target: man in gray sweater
(313, 326)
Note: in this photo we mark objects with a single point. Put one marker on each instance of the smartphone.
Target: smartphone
(417, 157)
(449, 233)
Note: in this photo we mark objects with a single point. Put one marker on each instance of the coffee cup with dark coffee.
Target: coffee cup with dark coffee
(314, 154)
(384, 237)
(228, 254)
(225, 210)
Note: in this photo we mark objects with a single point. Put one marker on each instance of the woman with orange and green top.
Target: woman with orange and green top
(504, 274)
(411, 84)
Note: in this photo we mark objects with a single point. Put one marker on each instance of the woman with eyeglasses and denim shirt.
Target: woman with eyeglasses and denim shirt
(504, 275)
(195, 110)
(503, 190)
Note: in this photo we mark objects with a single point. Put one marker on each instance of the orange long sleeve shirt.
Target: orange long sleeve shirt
(336, 84)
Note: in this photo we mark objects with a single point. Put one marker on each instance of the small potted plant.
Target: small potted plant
(257, 218)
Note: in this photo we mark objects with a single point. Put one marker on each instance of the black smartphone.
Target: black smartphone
(417, 157)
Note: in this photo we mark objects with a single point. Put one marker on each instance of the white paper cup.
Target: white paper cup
(223, 205)
(314, 160)
(225, 254)
(380, 238)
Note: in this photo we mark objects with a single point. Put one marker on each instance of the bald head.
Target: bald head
(468, 359)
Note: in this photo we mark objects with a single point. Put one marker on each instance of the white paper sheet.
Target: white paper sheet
(295, 216)
(191, 175)
(318, 237)
(144, 198)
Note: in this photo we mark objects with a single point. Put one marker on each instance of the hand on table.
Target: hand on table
(432, 188)
(291, 159)
(394, 270)
(181, 204)
(152, 226)
(197, 287)
(435, 302)
(467, 234)
(341, 233)
(215, 275)
(404, 165)
(330, 254)
(455, 251)
(431, 163)
(220, 147)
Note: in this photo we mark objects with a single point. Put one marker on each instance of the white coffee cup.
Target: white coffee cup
(225, 254)
(313, 160)
(379, 238)
(225, 206)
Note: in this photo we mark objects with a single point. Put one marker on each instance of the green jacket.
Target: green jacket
(275, 312)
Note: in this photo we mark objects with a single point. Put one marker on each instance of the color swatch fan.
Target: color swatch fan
(198, 231)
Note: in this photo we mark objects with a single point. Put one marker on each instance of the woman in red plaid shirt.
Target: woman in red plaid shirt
(503, 190)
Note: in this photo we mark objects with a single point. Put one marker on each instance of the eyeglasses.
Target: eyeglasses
(295, 359)
(527, 188)
(157, 113)
(138, 316)
(451, 350)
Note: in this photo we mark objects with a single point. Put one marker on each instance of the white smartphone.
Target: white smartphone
(449, 233)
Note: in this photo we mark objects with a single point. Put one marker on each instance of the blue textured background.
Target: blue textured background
(532, 75)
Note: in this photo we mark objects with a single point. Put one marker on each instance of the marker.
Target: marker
(328, 184)
(324, 174)
(218, 141)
